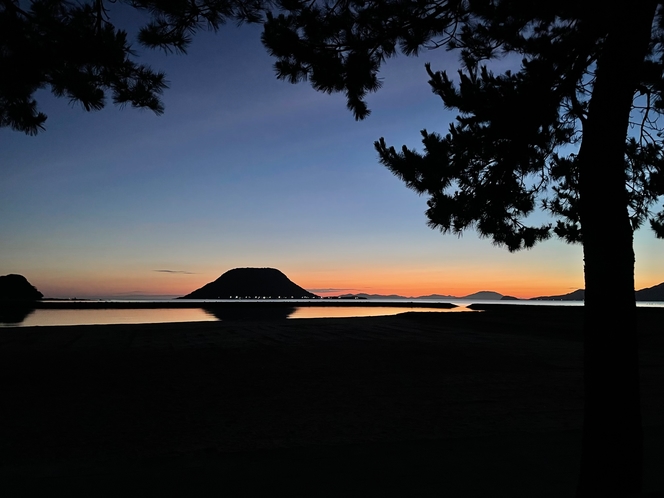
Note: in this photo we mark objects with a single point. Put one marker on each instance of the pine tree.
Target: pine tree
(590, 76)
(589, 80)
(75, 50)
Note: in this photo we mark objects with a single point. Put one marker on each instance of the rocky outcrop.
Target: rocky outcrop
(17, 288)
(251, 283)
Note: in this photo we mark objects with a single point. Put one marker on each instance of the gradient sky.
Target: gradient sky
(245, 170)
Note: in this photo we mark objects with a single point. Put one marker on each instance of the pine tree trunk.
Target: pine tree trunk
(612, 458)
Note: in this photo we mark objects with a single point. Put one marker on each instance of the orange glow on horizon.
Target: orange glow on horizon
(452, 283)
(407, 283)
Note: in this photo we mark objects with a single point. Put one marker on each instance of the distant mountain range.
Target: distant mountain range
(576, 295)
(655, 293)
(251, 283)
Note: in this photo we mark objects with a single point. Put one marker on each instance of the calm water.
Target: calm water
(46, 317)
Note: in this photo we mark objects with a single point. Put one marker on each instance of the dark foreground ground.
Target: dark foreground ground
(419, 404)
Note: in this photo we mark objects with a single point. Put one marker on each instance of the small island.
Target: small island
(251, 283)
(17, 288)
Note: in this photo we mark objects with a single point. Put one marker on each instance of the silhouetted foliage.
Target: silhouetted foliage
(585, 75)
(75, 50)
(252, 312)
(573, 129)
(17, 288)
(507, 153)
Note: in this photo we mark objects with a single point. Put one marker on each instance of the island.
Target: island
(251, 283)
(17, 288)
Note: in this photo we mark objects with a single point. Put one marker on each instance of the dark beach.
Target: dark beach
(417, 404)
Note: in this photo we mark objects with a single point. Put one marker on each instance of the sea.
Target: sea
(108, 312)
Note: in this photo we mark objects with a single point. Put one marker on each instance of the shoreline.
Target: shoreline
(374, 403)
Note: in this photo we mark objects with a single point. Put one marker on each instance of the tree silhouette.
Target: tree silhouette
(590, 77)
(587, 78)
(75, 50)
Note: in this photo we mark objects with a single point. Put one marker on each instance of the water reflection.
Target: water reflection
(248, 313)
(14, 315)
(349, 312)
(108, 316)
(45, 317)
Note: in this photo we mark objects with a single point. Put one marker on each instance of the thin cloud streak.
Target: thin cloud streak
(176, 271)
(330, 290)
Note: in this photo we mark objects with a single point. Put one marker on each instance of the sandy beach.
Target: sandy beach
(417, 404)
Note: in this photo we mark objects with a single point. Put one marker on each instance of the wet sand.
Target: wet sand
(419, 404)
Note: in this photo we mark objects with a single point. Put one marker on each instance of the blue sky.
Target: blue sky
(245, 170)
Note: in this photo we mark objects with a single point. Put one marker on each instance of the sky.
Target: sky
(244, 170)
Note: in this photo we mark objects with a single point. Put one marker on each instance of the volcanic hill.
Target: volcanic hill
(251, 283)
